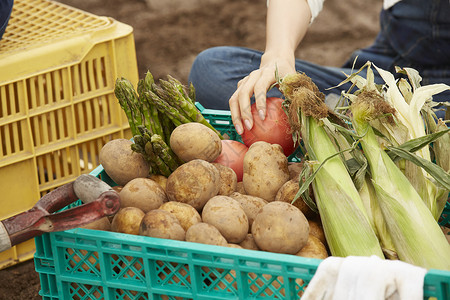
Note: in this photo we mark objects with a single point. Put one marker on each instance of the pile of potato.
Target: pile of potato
(202, 202)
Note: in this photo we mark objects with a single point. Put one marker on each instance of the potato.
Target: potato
(121, 163)
(186, 214)
(316, 229)
(142, 193)
(231, 245)
(295, 168)
(100, 224)
(160, 223)
(195, 141)
(194, 183)
(228, 179)
(127, 220)
(265, 170)
(160, 179)
(287, 194)
(280, 227)
(240, 188)
(249, 243)
(314, 248)
(117, 188)
(205, 233)
(227, 215)
(251, 205)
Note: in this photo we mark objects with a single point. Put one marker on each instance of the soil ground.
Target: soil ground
(168, 39)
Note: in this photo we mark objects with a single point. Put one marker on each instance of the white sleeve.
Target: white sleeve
(314, 5)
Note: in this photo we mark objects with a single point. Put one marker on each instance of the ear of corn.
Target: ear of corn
(345, 222)
(409, 101)
(416, 234)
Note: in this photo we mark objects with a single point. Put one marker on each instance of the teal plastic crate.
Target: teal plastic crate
(91, 264)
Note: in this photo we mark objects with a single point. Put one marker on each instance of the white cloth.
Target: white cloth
(365, 278)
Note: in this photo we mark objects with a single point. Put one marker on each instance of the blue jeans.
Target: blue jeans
(5, 13)
(414, 33)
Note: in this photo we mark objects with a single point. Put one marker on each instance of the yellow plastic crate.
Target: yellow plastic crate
(57, 105)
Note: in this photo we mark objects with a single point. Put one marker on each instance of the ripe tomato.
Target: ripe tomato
(275, 129)
(232, 156)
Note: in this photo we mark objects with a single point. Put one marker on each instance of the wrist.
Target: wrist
(278, 56)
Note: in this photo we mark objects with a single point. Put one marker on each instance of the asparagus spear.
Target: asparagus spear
(179, 99)
(147, 86)
(164, 152)
(163, 168)
(165, 92)
(174, 115)
(123, 95)
(144, 107)
(191, 93)
(167, 127)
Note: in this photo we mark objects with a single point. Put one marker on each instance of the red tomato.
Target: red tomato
(275, 129)
(232, 156)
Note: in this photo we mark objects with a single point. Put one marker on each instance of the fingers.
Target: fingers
(260, 91)
(256, 83)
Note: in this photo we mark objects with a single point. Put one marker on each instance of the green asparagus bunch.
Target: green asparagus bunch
(153, 111)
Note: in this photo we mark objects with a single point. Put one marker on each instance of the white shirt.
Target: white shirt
(316, 6)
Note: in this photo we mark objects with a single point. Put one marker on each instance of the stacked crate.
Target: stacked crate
(58, 67)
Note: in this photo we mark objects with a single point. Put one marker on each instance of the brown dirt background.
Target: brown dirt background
(169, 36)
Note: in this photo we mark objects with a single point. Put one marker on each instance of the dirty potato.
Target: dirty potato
(160, 223)
(287, 193)
(227, 215)
(121, 163)
(161, 179)
(251, 205)
(127, 220)
(265, 170)
(195, 141)
(249, 243)
(205, 233)
(194, 183)
(228, 179)
(142, 193)
(280, 227)
(314, 248)
(186, 214)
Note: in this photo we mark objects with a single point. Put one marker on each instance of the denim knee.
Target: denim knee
(5, 13)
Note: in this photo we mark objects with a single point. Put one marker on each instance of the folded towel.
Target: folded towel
(365, 278)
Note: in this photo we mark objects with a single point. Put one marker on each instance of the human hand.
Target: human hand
(257, 83)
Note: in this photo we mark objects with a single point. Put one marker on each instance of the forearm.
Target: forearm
(287, 24)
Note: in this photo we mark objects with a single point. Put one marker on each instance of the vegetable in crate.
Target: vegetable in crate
(121, 163)
(345, 221)
(228, 180)
(127, 220)
(185, 213)
(194, 183)
(274, 129)
(232, 155)
(153, 112)
(228, 216)
(195, 141)
(416, 234)
(143, 193)
(265, 170)
(280, 227)
(162, 224)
